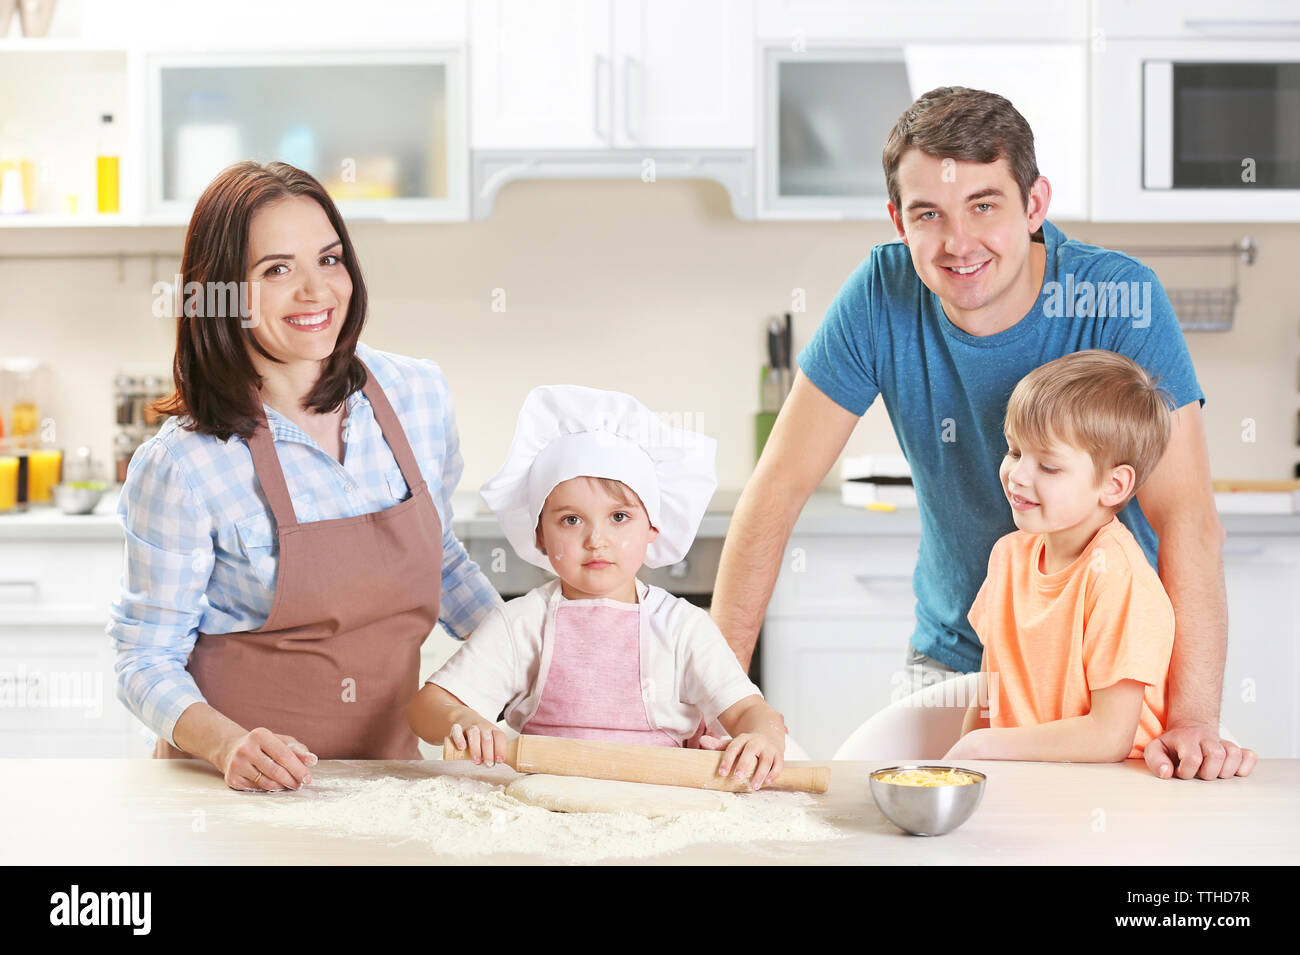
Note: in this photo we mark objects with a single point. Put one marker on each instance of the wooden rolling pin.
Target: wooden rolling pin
(632, 763)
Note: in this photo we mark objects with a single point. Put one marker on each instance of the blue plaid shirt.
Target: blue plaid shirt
(201, 548)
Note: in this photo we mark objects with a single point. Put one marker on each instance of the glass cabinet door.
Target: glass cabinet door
(828, 114)
(384, 133)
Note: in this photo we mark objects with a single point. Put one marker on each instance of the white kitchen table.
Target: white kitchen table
(142, 811)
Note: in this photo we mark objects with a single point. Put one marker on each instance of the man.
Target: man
(981, 290)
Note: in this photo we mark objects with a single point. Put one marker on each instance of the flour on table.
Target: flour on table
(457, 815)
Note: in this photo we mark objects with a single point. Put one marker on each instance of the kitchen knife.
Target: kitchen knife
(633, 763)
(787, 346)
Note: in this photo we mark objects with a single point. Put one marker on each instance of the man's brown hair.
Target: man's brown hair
(953, 122)
(214, 377)
(1098, 401)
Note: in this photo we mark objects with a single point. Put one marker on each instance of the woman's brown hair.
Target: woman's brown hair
(953, 122)
(214, 377)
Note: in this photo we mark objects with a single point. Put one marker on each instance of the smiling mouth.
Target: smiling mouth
(1018, 501)
(966, 270)
(310, 321)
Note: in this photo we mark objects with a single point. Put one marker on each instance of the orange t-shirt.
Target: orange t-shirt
(1051, 639)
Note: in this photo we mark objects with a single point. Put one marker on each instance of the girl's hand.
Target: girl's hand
(262, 761)
(751, 756)
(486, 743)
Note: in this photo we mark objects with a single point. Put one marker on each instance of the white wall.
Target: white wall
(655, 289)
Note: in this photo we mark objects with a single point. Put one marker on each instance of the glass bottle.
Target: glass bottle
(106, 165)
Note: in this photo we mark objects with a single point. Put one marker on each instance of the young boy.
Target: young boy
(1076, 626)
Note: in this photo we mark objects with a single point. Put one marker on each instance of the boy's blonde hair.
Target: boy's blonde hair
(1098, 401)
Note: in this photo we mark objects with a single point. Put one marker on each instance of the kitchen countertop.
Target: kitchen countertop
(143, 811)
(822, 515)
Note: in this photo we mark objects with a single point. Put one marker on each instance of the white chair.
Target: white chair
(793, 750)
(922, 725)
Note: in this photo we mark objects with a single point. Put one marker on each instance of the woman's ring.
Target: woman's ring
(259, 776)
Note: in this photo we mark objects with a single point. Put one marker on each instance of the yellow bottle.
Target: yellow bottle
(24, 419)
(8, 482)
(106, 163)
(43, 468)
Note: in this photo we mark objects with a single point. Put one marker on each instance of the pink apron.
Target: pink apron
(591, 676)
(337, 662)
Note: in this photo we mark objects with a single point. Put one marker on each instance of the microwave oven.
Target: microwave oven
(1196, 116)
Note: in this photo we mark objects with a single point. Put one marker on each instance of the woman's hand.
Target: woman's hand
(485, 741)
(753, 756)
(262, 761)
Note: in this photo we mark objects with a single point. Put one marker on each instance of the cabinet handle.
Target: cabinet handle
(1240, 27)
(628, 63)
(11, 590)
(597, 82)
(867, 580)
(1242, 550)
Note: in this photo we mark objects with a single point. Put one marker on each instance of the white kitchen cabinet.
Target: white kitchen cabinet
(828, 109)
(1047, 83)
(282, 25)
(607, 74)
(58, 692)
(540, 74)
(407, 161)
(684, 74)
(835, 635)
(1261, 677)
(794, 21)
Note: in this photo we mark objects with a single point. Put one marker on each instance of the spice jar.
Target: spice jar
(125, 388)
(123, 447)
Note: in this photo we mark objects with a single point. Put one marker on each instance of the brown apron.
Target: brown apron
(338, 660)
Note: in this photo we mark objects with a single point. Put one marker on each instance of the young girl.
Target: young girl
(595, 487)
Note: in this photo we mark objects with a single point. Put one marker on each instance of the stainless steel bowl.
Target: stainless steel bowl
(76, 500)
(927, 810)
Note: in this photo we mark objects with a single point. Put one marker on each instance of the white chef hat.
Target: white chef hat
(567, 431)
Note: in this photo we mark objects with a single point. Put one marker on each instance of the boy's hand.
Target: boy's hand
(751, 756)
(486, 743)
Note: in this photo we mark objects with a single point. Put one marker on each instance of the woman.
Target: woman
(288, 531)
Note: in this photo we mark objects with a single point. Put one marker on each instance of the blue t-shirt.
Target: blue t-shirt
(946, 392)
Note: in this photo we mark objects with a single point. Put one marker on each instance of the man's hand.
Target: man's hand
(1196, 751)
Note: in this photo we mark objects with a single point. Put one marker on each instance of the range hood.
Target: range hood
(732, 168)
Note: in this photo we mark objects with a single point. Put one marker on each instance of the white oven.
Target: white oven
(1196, 111)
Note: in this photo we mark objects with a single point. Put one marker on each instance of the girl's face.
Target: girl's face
(1054, 488)
(595, 542)
(302, 290)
